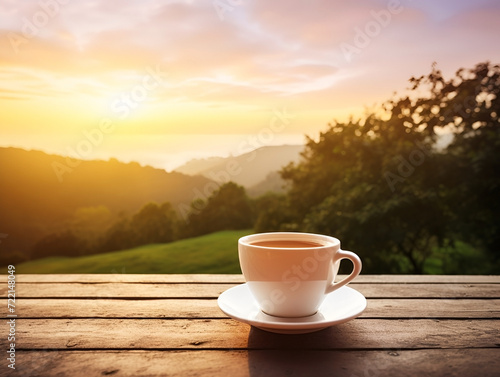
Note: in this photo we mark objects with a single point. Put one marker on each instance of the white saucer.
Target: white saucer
(339, 306)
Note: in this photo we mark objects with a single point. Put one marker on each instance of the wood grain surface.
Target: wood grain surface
(170, 325)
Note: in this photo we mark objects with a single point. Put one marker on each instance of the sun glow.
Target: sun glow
(175, 68)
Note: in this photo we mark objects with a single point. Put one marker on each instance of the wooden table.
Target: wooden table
(170, 325)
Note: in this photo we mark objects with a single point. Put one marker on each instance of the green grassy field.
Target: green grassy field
(215, 253)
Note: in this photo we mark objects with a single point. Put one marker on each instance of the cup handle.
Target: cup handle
(356, 261)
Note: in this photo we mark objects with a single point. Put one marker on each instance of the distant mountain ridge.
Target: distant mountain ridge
(198, 165)
(39, 191)
(248, 169)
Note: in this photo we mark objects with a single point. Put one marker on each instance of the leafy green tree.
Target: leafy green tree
(470, 107)
(273, 213)
(383, 186)
(90, 224)
(228, 208)
(154, 224)
(118, 236)
(357, 183)
(467, 106)
(59, 244)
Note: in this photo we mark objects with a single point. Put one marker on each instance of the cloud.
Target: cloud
(312, 24)
(261, 54)
(93, 39)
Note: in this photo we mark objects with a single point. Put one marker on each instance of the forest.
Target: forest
(412, 186)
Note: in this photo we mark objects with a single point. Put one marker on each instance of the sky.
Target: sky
(161, 82)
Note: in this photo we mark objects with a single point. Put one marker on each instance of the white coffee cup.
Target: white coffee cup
(289, 274)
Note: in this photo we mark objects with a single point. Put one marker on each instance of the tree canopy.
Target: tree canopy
(388, 187)
(228, 208)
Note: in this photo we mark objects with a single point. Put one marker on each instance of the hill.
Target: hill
(272, 183)
(198, 165)
(248, 169)
(215, 253)
(40, 192)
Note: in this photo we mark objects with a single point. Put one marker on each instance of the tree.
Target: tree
(470, 107)
(59, 244)
(382, 185)
(273, 213)
(342, 189)
(154, 224)
(119, 236)
(228, 208)
(90, 223)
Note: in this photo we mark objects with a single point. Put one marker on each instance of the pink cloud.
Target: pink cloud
(260, 52)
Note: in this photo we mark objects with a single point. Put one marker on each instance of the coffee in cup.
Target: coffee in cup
(289, 274)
